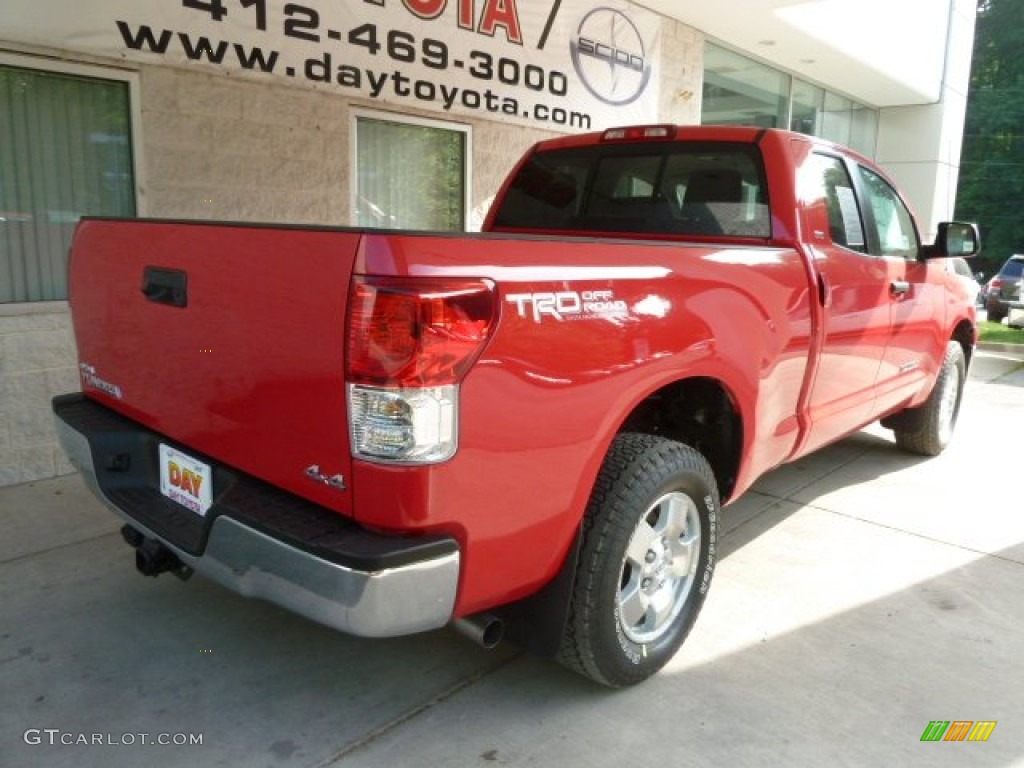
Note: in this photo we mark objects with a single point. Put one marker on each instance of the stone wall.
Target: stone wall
(235, 150)
(682, 73)
(37, 361)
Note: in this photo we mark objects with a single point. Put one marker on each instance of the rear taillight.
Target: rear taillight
(410, 343)
(994, 285)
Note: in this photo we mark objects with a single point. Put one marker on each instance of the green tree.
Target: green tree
(991, 187)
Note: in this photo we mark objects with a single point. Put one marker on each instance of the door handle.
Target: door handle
(899, 287)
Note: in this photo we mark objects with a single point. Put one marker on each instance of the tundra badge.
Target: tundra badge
(91, 379)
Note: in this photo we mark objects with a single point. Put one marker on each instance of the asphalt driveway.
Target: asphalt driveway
(863, 594)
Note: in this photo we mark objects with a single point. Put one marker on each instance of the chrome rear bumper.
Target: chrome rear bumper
(414, 594)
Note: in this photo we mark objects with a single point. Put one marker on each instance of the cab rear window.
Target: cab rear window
(673, 189)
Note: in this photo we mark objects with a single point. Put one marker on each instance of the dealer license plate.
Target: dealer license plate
(185, 480)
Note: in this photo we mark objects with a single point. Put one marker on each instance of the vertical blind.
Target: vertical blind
(409, 176)
(65, 151)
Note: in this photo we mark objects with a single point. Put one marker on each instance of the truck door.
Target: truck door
(853, 292)
(915, 289)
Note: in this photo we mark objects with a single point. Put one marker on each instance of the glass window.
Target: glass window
(740, 91)
(828, 180)
(863, 130)
(835, 122)
(65, 151)
(625, 178)
(410, 175)
(893, 222)
(678, 189)
(547, 193)
(808, 104)
(847, 122)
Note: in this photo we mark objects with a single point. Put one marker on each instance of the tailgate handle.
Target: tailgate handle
(165, 286)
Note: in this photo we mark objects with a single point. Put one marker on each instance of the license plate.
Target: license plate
(185, 480)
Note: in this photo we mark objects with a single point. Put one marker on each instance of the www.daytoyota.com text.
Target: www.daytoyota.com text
(328, 67)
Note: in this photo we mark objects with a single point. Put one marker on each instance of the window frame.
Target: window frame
(357, 113)
(863, 190)
(93, 72)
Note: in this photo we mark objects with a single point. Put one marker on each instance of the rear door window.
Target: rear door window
(827, 179)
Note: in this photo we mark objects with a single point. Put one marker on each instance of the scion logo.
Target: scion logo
(609, 55)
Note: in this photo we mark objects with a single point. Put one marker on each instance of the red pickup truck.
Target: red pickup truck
(528, 431)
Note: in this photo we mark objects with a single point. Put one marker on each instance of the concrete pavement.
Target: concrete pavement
(862, 593)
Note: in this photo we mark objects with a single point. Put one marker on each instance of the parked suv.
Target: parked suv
(1003, 288)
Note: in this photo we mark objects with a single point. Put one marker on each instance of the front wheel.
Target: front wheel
(928, 429)
(649, 540)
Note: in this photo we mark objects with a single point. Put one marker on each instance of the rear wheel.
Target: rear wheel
(928, 429)
(646, 563)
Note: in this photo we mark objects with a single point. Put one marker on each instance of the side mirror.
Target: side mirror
(954, 238)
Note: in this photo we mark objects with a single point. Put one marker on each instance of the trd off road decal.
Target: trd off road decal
(568, 305)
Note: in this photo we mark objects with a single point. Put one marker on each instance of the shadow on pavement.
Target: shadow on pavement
(855, 687)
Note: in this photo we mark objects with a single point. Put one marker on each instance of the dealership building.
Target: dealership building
(407, 114)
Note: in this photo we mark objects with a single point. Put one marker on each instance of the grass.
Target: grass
(1000, 333)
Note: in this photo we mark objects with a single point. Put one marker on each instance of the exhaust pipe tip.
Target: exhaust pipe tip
(484, 629)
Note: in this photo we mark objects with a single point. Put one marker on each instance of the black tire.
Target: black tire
(928, 429)
(649, 547)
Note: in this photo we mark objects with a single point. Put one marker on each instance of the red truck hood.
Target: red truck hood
(251, 370)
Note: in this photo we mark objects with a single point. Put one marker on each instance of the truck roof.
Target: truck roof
(744, 134)
(737, 133)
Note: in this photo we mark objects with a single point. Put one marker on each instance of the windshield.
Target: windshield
(665, 188)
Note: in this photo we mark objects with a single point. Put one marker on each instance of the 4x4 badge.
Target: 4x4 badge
(335, 481)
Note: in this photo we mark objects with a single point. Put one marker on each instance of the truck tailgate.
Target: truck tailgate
(227, 339)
